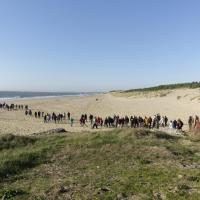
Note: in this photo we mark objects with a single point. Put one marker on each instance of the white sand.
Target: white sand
(176, 104)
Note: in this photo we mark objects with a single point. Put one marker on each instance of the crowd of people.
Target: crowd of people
(156, 121)
(138, 122)
(109, 122)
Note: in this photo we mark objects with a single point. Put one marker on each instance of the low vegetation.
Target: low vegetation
(120, 164)
(191, 85)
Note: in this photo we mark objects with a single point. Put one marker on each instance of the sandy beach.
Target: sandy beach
(174, 103)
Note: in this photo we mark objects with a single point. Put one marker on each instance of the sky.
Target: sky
(98, 45)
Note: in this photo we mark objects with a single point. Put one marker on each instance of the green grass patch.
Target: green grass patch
(14, 163)
(119, 164)
(12, 141)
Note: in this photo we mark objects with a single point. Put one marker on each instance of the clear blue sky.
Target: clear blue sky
(89, 45)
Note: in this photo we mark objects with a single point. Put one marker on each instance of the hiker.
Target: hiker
(7, 107)
(149, 122)
(116, 121)
(68, 115)
(72, 121)
(54, 117)
(174, 124)
(30, 112)
(126, 121)
(91, 119)
(197, 125)
(140, 122)
(171, 125)
(179, 124)
(162, 121)
(136, 122)
(64, 116)
(12, 107)
(110, 121)
(106, 122)
(101, 122)
(83, 121)
(95, 125)
(166, 120)
(196, 121)
(26, 112)
(154, 122)
(190, 122)
(132, 120)
(45, 119)
(86, 117)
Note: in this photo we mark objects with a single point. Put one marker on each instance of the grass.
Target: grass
(12, 141)
(119, 164)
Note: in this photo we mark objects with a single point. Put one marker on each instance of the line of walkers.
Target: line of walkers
(56, 118)
(11, 107)
(135, 122)
(109, 122)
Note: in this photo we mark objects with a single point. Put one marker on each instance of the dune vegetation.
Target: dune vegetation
(190, 85)
(119, 164)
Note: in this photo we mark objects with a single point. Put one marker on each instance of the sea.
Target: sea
(14, 95)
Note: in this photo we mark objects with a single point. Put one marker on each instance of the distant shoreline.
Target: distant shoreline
(13, 96)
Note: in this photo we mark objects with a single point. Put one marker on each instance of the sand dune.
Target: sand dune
(175, 104)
